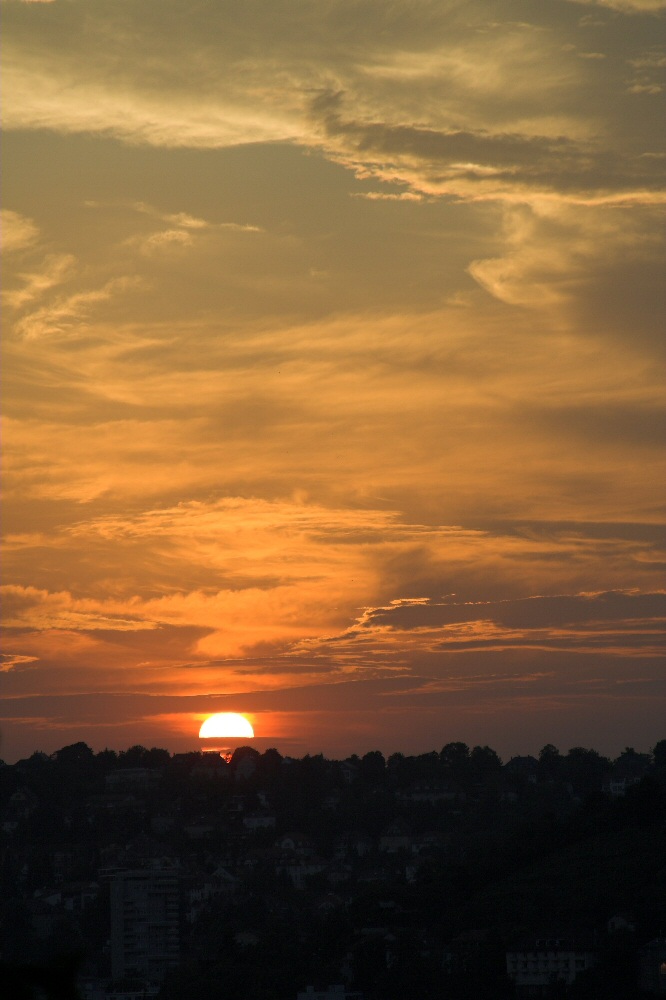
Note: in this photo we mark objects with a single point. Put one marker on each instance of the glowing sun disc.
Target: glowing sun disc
(226, 724)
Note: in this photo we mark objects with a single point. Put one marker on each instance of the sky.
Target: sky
(333, 373)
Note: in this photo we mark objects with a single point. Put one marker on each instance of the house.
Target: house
(300, 869)
(260, 820)
(330, 903)
(144, 778)
(352, 842)
(537, 964)
(200, 829)
(295, 843)
(332, 799)
(338, 992)
(246, 766)
(431, 791)
(466, 950)
(337, 873)
(652, 965)
(620, 922)
(211, 767)
(396, 837)
(348, 771)
(21, 805)
(523, 768)
(617, 785)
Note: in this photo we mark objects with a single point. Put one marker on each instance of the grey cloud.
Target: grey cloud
(531, 612)
(638, 426)
(550, 163)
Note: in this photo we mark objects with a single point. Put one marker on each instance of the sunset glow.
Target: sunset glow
(332, 373)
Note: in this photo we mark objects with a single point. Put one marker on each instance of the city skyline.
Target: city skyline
(333, 374)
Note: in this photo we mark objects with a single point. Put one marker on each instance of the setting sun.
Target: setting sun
(226, 724)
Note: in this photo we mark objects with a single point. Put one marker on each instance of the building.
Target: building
(652, 958)
(536, 965)
(337, 992)
(145, 923)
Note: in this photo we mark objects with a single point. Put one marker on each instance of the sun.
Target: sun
(226, 724)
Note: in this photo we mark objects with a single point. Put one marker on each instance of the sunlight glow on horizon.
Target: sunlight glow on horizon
(226, 724)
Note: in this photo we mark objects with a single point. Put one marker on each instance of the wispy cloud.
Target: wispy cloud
(16, 231)
(59, 316)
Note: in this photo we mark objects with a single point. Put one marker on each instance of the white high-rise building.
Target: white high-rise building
(145, 924)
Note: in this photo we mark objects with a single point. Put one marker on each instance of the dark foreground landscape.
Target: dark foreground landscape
(445, 876)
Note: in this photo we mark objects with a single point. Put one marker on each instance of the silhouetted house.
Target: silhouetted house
(396, 837)
(225, 884)
(160, 825)
(260, 820)
(414, 867)
(134, 778)
(330, 903)
(332, 799)
(617, 785)
(113, 803)
(338, 992)
(652, 964)
(348, 771)
(300, 869)
(21, 805)
(619, 923)
(524, 769)
(371, 875)
(131, 990)
(337, 873)
(466, 951)
(246, 766)
(246, 939)
(61, 864)
(201, 829)
(295, 843)
(537, 964)
(211, 767)
(432, 791)
(43, 917)
(352, 842)
(72, 896)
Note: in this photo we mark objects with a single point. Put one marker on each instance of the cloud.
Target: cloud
(64, 313)
(481, 164)
(330, 368)
(531, 612)
(185, 228)
(15, 661)
(416, 109)
(629, 6)
(16, 231)
(42, 610)
(255, 594)
(398, 98)
(167, 240)
(53, 270)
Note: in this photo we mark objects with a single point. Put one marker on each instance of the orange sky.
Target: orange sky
(332, 375)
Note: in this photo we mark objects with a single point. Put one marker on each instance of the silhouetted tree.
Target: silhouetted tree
(585, 769)
(454, 758)
(632, 764)
(73, 755)
(484, 764)
(659, 757)
(373, 767)
(551, 763)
